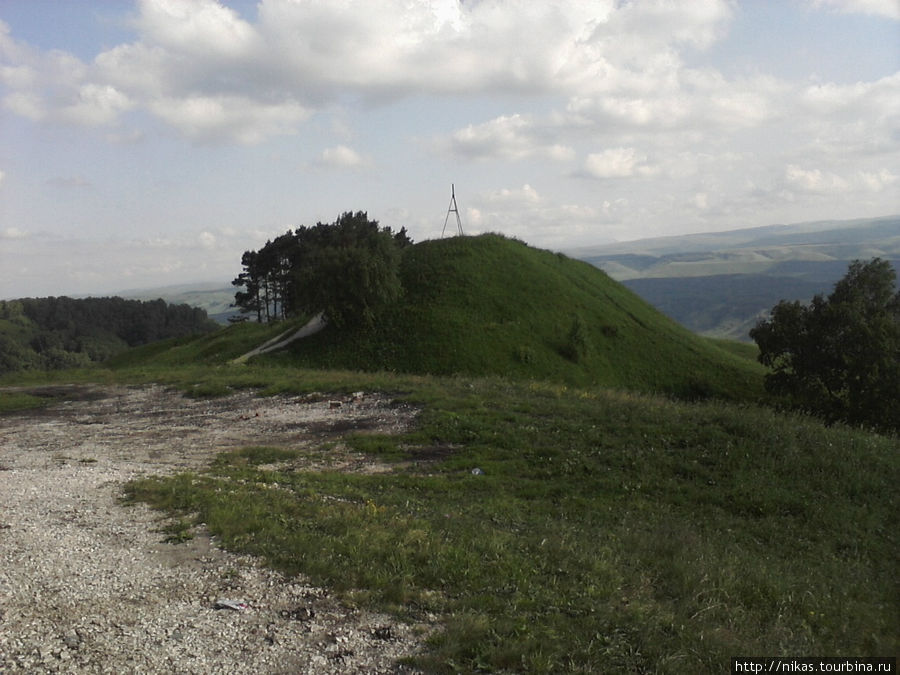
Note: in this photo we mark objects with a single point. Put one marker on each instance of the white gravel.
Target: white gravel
(87, 586)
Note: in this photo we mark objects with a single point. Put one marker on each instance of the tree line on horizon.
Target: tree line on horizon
(61, 332)
(346, 270)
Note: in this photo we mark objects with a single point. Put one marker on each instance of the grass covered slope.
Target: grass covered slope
(211, 349)
(609, 532)
(488, 305)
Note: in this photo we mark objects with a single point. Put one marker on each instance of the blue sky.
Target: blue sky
(151, 142)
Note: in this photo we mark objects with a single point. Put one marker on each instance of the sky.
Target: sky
(151, 143)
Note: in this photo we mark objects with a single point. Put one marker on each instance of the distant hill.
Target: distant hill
(719, 284)
(488, 305)
(213, 297)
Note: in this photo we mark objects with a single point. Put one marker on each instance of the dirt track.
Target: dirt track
(86, 586)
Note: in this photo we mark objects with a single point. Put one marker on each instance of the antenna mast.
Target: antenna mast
(452, 209)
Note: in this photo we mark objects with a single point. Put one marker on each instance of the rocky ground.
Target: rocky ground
(88, 586)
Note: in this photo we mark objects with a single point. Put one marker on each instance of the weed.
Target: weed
(577, 342)
(208, 390)
(178, 531)
(381, 445)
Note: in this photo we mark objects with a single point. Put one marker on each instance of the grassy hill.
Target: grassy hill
(489, 305)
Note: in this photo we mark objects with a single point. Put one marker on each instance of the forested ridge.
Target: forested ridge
(62, 332)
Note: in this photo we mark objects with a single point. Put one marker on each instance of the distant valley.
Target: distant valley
(216, 298)
(720, 284)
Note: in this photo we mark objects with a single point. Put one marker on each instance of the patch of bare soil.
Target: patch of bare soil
(86, 586)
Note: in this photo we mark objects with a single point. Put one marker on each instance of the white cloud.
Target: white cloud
(616, 90)
(617, 163)
(882, 95)
(13, 233)
(96, 104)
(701, 201)
(18, 77)
(522, 212)
(829, 182)
(504, 136)
(391, 47)
(69, 182)
(885, 8)
(526, 195)
(25, 104)
(207, 240)
(107, 265)
(342, 157)
(684, 98)
(876, 181)
(201, 27)
(191, 59)
(217, 118)
(698, 23)
(512, 137)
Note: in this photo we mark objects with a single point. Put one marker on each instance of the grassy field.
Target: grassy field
(609, 531)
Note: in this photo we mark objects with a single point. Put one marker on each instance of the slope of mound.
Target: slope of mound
(211, 349)
(488, 305)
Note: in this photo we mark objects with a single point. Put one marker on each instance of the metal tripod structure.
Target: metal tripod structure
(452, 209)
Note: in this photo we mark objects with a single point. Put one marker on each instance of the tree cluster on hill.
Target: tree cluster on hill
(61, 332)
(346, 270)
(839, 356)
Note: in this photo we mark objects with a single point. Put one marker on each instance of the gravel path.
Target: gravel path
(86, 586)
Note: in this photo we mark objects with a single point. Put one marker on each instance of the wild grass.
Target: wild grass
(608, 532)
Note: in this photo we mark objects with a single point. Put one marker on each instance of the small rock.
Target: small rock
(72, 640)
(298, 614)
(384, 633)
(236, 605)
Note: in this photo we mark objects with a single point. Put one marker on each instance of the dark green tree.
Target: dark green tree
(839, 356)
(250, 299)
(348, 270)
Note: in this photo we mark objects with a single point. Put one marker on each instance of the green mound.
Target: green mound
(488, 305)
